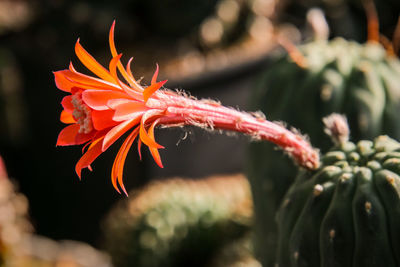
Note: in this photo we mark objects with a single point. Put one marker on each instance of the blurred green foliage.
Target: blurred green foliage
(179, 222)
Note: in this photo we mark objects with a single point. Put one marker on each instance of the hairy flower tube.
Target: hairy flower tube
(99, 110)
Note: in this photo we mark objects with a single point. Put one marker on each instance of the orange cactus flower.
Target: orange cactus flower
(99, 110)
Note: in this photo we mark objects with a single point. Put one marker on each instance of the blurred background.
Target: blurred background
(212, 48)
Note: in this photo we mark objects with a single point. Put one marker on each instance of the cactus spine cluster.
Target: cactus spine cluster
(346, 213)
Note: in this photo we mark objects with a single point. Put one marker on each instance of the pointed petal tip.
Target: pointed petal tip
(67, 135)
(139, 148)
(66, 117)
(114, 178)
(79, 173)
(92, 64)
(61, 142)
(147, 140)
(126, 193)
(116, 188)
(155, 75)
(157, 146)
(156, 157)
(150, 90)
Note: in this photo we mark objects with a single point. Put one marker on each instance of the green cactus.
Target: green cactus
(359, 80)
(179, 222)
(346, 213)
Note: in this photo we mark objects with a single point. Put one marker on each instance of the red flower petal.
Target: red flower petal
(67, 103)
(146, 139)
(62, 82)
(70, 136)
(87, 82)
(114, 103)
(93, 152)
(113, 66)
(66, 117)
(114, 53)
(154, 151)
(103, 119)
(139, 148)
(92, 63)
(97, 99)
(149, 91)
(136, 94)
(154, 78)
(128, 109)
(67, 135)
(128, 70)
(111, 40)
(122, 161)
(118, 165)
(117, 131)
(82, 138)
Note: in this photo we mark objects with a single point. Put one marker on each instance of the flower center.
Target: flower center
(82, 114)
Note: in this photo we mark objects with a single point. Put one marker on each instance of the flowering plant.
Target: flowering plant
(99, 110)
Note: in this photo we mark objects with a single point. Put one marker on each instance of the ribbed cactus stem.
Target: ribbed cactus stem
(182, 110)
